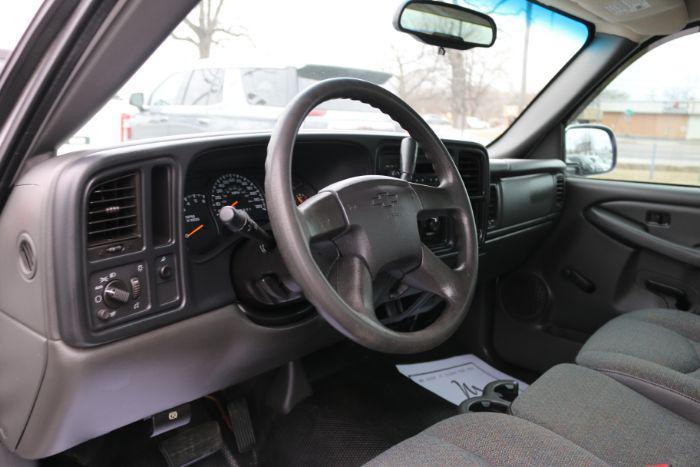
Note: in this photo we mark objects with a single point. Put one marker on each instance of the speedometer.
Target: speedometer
(240, 192)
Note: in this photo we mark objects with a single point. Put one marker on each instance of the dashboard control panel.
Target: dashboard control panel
(473, 165)
(119, 294)
(127, 285)
(152, 248)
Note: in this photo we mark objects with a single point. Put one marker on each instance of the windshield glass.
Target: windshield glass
(232, 65)
(14, 20)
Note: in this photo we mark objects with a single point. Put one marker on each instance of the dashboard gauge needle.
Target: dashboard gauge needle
(234, 204)
(194, 231)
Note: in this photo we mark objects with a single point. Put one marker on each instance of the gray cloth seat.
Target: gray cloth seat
(608, 419)
(570, 416)
(654, 352)
(486, 439)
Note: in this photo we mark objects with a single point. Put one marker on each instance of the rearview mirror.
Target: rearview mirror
(590, 149)
(136, 99)
(445, 25)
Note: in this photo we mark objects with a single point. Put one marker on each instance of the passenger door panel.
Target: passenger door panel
(618, 247)
(636, 243)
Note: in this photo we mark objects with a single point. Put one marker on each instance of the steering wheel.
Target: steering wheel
(373, 221)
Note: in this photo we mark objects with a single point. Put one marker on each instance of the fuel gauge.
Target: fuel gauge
(201, 231)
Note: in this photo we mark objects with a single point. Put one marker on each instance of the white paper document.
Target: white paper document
(455, 379)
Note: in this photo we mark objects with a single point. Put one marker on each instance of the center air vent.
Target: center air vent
(470, 170)
(113, 211)
(560, 189)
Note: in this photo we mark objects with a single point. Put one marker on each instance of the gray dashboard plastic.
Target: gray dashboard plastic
(62, 395)
(88, 392)
(526, 197)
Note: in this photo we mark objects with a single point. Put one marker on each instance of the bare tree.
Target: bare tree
(679, 94)
(471, 74)
(204, 27)
(416, 75)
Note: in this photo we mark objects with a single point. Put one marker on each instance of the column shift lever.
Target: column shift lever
(409, 154)
(240, 222)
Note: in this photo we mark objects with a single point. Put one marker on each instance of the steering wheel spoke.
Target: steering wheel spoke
(353, 282)
(434, 276)
(323, 217)
(434, 199)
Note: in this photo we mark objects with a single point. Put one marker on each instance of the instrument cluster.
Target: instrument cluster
(203, 231)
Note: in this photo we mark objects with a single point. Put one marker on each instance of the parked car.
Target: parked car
(214, 97)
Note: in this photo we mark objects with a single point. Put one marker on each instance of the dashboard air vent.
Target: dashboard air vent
(113, 211)
(493, 206)
(470, 170)
(560, 188)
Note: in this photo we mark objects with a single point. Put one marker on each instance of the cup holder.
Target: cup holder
(496, 397)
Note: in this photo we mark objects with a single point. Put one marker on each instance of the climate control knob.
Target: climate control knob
(116, 294)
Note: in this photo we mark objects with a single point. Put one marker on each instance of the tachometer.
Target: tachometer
(200, 229)
(240, 192)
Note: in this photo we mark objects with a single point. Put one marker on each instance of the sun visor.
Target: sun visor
(644, 17)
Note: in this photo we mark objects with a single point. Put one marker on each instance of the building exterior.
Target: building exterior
(673, 120)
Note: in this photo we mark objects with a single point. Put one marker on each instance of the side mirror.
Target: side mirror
(445, 25)
(590, 149)
(136, 99)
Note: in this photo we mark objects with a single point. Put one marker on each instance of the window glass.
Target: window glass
(471, 95)
(265, 86)
(14, 20)
(170, 91)
(205, 87)
(653, 107)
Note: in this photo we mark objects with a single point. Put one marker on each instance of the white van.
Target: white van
(211, 97)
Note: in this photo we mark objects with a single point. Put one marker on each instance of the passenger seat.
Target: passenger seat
(608, 419)
(654, 352)
(570, 416)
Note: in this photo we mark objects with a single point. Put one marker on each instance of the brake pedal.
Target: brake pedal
(193, 444)
(241, 424)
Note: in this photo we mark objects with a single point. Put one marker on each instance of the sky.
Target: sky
(14, 19)
(357, 34)
(670, 65)
(328, 32)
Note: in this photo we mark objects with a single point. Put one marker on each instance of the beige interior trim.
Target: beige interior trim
(636, 20)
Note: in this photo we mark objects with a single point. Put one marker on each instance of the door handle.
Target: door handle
(203, 121)
(159, 120)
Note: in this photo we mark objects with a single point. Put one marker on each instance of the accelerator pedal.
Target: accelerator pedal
(241, 425)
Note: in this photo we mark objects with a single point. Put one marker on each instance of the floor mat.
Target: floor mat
(353, 417)
(455, 379)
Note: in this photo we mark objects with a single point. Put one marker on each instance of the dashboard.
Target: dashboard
(135, 298)
(204, 231)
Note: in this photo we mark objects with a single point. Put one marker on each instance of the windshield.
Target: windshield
(14, 21)
(232, 65)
